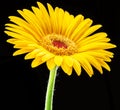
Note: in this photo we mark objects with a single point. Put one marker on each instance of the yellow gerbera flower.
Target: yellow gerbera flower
(60, 39)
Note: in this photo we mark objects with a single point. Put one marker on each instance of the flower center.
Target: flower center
(59, 44)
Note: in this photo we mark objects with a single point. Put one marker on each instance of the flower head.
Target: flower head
(60, 39)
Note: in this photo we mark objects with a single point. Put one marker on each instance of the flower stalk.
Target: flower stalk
(50, 89)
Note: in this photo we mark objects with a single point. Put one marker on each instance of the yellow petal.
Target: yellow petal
(53, 18)
(41, 53)
(47, 56)
(22, 51)
(83, 26)
(99, 37)
(14, 26)
(38, 13)
(73, 25)
(20, 34)
(66, 68)
(19, 21)
(94, 62)
(43, 10)
(32, 54)
(107, 59)
(69, 71)
(59, 14)
(30, 17)
(43, 13)
(77, 67)
(107, 53)
(104, 64)
(84, 63)
(23, 43)
(90, 31)
(58, 60)
(67, 19)
(36, 62)
(14, 35)
(22, 24)
(50, 64)
(100, 54)
(68, 60)
(98, 45)
(20, 45)
(11, 40)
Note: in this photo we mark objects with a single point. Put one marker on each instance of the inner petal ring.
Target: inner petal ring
(59, 44)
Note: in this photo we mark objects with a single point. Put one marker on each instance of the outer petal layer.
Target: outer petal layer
(79, 46)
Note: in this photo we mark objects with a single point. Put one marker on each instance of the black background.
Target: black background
(22, 87)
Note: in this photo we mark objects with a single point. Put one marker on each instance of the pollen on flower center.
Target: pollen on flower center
(59, 44)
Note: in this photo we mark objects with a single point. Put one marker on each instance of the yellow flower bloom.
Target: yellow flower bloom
(60, 39)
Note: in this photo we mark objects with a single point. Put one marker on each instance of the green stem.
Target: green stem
(50, 89)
